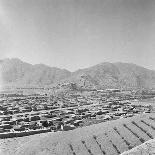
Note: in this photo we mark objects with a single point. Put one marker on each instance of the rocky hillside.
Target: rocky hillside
(16, 72)
(115, 75)
(104, 75)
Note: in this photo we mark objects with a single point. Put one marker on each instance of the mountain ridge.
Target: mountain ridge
(103, 75)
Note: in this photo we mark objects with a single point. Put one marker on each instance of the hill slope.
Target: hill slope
(16, 72)
(116, 75)
(104, 75)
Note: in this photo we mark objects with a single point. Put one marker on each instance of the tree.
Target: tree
(45, 124)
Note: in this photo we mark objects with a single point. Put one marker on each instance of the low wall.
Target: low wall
(21, 134)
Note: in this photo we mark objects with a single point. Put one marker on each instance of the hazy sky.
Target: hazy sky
(75, 34)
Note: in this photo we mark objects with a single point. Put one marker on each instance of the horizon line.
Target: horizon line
(15, 58)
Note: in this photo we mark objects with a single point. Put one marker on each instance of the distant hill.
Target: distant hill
(104, 75)
(18, 73)
(116, 75)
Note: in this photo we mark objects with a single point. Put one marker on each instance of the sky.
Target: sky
(75, 34)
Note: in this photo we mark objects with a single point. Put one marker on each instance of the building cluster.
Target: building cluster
(24, 113)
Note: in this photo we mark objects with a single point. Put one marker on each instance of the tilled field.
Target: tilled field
(109, 138)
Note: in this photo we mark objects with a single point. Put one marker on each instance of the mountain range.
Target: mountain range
(15, 72)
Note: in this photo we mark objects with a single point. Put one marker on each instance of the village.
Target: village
(48, 113)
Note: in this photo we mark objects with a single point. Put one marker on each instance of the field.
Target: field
(109, 138)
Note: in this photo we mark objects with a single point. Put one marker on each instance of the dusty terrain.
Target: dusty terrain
(148, 148)
(109, 138)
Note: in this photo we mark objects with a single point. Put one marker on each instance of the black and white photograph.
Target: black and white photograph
(77, 77)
